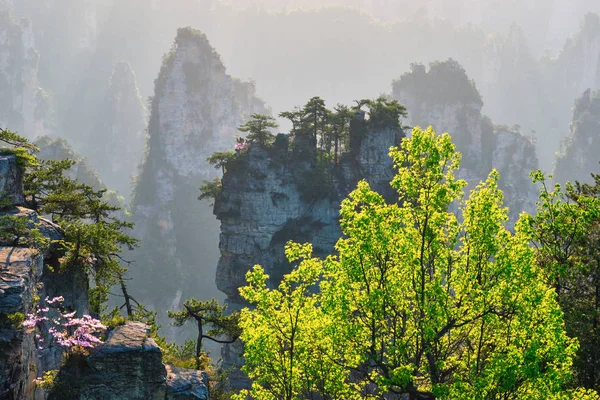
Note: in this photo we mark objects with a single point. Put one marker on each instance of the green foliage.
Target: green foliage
(18, 230)
(415, 302)
(259, 129)
(48, 381)
(221, 159)
(567, 237)
(209, 315)
(12, 320)
(211, 190)
(19, 147)
(93, 235)
(383, 113)
(113, 319)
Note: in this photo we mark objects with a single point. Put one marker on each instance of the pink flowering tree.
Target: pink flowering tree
(74, 335)
(241, 146)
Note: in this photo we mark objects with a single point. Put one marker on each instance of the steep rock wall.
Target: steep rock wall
(24, 283)
(196, 110)
(116, 144)
(443, 97)
(581, 153)
(272, 195)
(24, 106)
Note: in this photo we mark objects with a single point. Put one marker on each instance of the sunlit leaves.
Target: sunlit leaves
(417, 300)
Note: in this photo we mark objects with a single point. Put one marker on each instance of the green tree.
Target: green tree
(209, 315)
(295, 118)
(340, 126)
(259, 128)
(567, 237)
(211, 190)
(220, 159)
(415, 302)
(383, 113)
(93, 234)
(314, 119)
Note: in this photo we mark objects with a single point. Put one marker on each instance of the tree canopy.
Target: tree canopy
(416, 302)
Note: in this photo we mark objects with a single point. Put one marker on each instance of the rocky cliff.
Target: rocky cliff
(128, 366)
(117, 141)
(195, 112)
(271, 195)
(24, 106)
(444, 97)
(580, 155)
(24, 281)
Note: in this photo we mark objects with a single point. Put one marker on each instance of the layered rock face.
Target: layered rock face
(23, 282)
(581, 153)
(24, 105)
(443, 97)
(11, 179)
(117, 143)
(273, 195)
(195, 112)
(128, 366)
(21, 269)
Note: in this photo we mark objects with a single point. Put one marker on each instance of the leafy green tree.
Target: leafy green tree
(383, 113)
(209, 315)
(211, 190)
(415, 302)
(259, 128)
(19, 146)
(93, 234)
(340, 126)
(567, 237)
(314, 119)
(295, 118)
(220, 159)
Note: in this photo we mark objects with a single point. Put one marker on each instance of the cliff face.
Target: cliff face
(23, 104)
(24, 281)
(446, 99)
(276, 194)
(116, 145)
(59, 149)
(195, 112)
(580, 155)
(128, 366)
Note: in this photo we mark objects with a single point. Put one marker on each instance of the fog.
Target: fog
(529, 59)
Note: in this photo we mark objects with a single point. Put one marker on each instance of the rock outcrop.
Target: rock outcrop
(272, 195)
(581, 153)
(118, 140)
(11, 179)
(195, 112)
(24, 106)
(128, 366)
(19, 274)
(443, 97)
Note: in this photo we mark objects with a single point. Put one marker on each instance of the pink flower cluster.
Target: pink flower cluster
(69, 332)
(241, 146)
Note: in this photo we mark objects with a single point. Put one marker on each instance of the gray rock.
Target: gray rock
(128, 366)
(263, 204)
(443, 97)
(186, 384)
(11, 179)
(19, 271)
